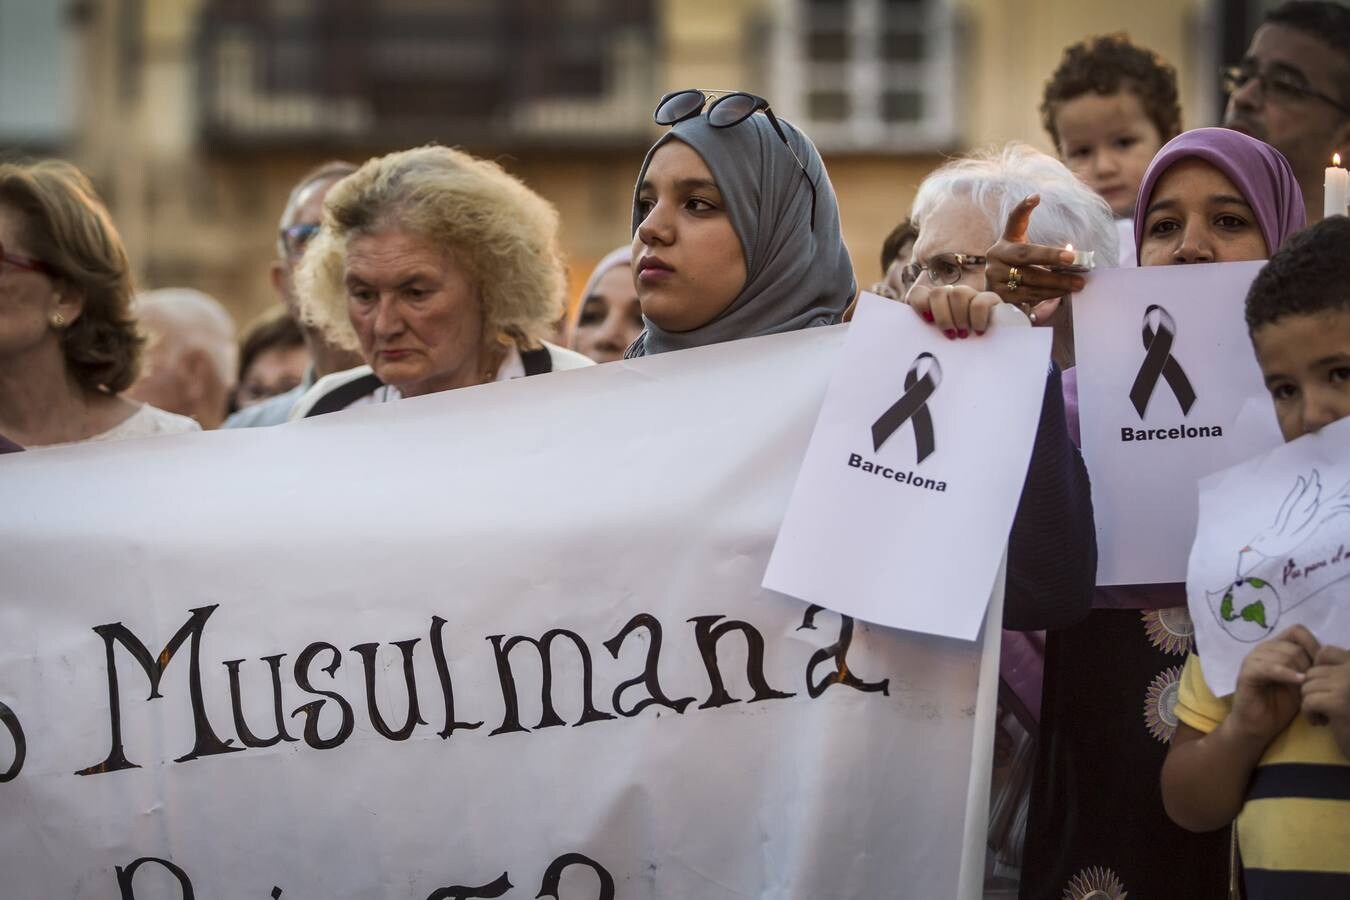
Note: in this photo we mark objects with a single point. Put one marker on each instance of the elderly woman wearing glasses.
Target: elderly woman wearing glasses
(68, 343)
(969, 209)
(442, 269)
(960, 211)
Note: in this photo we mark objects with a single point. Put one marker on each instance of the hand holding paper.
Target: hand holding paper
(897, 516)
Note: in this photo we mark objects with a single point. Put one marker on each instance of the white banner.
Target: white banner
(899, 473)
(1272, 551)
(208, 646)
(1168, 391)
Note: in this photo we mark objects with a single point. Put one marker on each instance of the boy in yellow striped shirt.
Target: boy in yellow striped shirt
(1275, 755)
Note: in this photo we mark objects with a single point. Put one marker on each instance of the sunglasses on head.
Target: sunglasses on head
(727, 108)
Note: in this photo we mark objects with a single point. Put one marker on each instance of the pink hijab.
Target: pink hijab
(1257, 169)
(1267, 183)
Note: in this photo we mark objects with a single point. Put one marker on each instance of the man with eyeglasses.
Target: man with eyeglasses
(299, 223)
(1292, 90)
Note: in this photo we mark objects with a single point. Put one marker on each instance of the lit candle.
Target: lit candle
(1082, 261)
(1337, 189)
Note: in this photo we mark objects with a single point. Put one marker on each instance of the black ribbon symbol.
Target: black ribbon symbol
(912, 405)
(1159, 362)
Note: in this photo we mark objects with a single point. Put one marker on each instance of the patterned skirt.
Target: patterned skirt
(1097, 828)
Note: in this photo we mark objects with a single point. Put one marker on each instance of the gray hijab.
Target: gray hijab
(795, 278)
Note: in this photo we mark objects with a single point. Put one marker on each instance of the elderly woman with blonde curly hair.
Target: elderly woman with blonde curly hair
(442, 269)
(69, 345)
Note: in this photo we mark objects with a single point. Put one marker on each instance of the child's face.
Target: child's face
(1108, 142)
(1305, 360)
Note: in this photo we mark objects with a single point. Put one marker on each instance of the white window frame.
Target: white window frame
(866, 76)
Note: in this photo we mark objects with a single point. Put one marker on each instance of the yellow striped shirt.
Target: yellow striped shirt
(1294, 828)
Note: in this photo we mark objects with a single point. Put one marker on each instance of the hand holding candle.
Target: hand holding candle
(1082, 261)
(1337, 189)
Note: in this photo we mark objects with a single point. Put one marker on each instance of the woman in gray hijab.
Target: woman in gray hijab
(735, 227)
(736, 234)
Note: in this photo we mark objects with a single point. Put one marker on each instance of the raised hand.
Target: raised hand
(1019, 272)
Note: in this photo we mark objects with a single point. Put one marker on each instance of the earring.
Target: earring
(58, 320)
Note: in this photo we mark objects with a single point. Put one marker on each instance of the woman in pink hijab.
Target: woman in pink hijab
(1097, 821)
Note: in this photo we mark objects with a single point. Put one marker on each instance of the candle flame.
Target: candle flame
(1069, 247)
(1335, 159)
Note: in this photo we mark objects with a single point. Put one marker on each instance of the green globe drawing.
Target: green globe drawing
(1247, 609)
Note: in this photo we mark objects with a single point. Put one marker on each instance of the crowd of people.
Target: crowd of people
(428, 269)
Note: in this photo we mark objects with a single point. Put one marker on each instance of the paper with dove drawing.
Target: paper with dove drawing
(904, 501)
(1272, 550)
(1168, 392)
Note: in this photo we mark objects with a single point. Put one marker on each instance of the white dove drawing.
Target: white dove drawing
(1301, 514)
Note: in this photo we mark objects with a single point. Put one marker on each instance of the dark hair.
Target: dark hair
(273, 330)
(1105, 64)
(1309, 274)
(900, 235)
(1328, 22)
(64, 224)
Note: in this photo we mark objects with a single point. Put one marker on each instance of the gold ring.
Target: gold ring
(1014, 278)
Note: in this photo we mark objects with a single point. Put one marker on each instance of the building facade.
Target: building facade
(194, 117)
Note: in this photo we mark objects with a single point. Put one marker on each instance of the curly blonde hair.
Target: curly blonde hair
(65, 225)
(503, 234)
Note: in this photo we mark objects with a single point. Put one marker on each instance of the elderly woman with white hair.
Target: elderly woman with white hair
(975, 217)
(442, 270)
(965, 212)
(960, 211)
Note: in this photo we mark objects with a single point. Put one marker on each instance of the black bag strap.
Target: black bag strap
(537, 361)
(344, 395)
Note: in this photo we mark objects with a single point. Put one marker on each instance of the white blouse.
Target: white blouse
(147, 421)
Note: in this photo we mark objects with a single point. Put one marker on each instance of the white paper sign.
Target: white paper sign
(1272, 551)
(690, 735)
(1168, 391)
(905, 500)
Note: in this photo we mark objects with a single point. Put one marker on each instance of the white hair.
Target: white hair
(189, 319)
(997, 180)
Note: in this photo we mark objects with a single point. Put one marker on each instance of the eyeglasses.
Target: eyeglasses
(728, 109)
(297, 237)
(25, 262)
(944, 268)
(1279, 87)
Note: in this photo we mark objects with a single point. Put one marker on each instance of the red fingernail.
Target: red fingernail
(927, 316)
(963, 333)
(950, 333)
